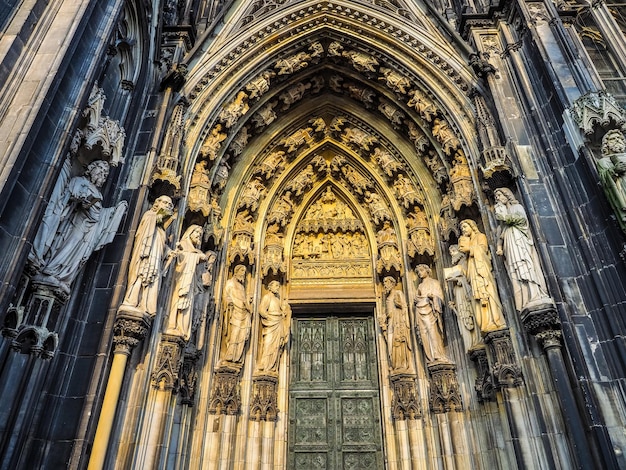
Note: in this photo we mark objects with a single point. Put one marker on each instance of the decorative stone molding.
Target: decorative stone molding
(264, 402)
(597, 109)
(506, 372)
(445, 393)
(544, 324)
(405, 402)
(165, 373)
(188, 377)
(128, 330)
(485, 389)
(225, 396)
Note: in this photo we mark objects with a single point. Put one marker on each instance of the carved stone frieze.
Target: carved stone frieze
(597, 109)
(506, 372)
(445, 393)
(225, 396)
(405, 402)
(264, 402)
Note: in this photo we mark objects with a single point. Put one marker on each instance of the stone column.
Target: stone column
(545, 326)
(129, 330)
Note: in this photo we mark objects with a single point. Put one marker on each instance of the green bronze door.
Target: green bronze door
(334, 405)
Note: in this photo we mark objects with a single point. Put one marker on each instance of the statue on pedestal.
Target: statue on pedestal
(186, 282)
(612, 171)
(396, 328)
(516, 244)
(429, 316)
(237, 316)
(487, 306)
(275, 316)
(74, 226)
(146, 263)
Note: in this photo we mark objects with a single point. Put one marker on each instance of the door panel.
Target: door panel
(334, 405)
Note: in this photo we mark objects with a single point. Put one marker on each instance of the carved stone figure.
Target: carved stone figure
(444, 135)
(186, 283)
(302, 181)
(419, 139)
(387, 162)
(461, 180)
(234, 110)
(396, 328)
(237, 317)
(429, 316)
(612, 171)
(397, 82)
(361, 61)
(462, 305)
(74, 225)
(282, 210)
(420, 240)
(377, 207)
(358, 137)
(293, 63)
(391, 112)
(275, 315)
(146, 263)
(260, 85)
(388, 252)
(357, 181)
(213, 142)
(213, 227)
(406, 192)
(516, 244)
(265, 115)
(363, 94)
(240, 141)
(297, 139)
(272, 164)
(487, 306)
(251, 195)
(293, 94)
(424, 107)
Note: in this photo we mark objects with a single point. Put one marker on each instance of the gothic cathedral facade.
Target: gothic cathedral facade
(280, 234)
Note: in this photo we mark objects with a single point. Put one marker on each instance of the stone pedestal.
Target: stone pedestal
(484, 387)
(405, 402)
(264, 403)
(445, 393)
(505, 370)
(225, 396)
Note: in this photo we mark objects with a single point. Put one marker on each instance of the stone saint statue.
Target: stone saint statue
(612, 171)
(237, 316)
(462, 305)
(186, 283)
(275, 319)
(515, 242)
(429, 312)
(74, 226)
(487, 306)
(146, 262)
(396, 328)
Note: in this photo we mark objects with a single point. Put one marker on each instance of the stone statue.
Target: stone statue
(462, 305)
(275, 325)
(396, 328)
(237, 316)
(429, 320)
(74, 225)
(146, 263)
(487, 306)
(186, 283)
(515, 242)
(612, 171)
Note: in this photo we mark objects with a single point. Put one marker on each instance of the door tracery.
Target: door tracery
(333, 395)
